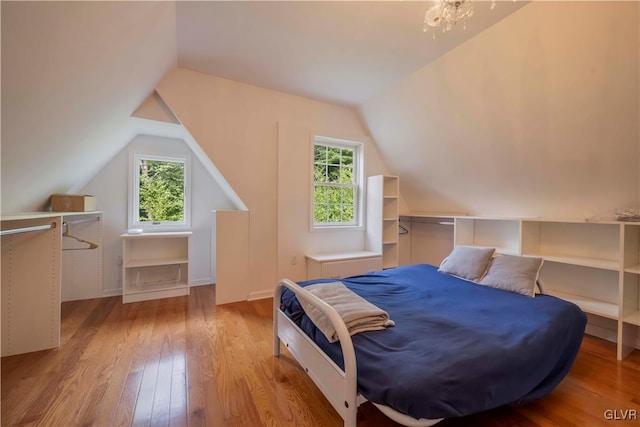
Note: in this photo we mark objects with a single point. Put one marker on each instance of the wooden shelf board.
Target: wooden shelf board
(633, 269)
(155, 287)
(162, 293)
(606, 264)
(157, 261)
(506, 251)
(589, 305)
(499, 249)
(633, 318)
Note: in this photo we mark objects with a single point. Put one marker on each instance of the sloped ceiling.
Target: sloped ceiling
(74, 72)
(338, 51)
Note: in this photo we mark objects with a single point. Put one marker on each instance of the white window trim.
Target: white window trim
(134, 187)
(358, 166)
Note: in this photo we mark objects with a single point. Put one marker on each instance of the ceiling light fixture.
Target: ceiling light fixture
(445, 14)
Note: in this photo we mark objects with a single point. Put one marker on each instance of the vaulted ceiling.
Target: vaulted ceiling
(338, 51)
(73, 72)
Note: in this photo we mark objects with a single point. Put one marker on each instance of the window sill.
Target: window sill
(334, 228)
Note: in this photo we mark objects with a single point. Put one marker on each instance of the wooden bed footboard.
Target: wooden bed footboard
(339, 386)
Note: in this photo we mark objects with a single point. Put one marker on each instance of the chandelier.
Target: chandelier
(445, 14)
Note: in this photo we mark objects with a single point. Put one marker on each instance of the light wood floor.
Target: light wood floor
(184, 361)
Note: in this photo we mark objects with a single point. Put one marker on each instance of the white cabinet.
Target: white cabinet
(335, 266)
(155, 265)
(383, 201)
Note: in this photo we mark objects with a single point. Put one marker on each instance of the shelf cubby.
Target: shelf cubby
(501, 234)
(155, 265)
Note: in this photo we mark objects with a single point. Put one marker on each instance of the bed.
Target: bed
(457, 348)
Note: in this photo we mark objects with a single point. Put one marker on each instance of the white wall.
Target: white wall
(536, 116)
(72, 74)
(294, 198)
(110, 187)
(236, 125)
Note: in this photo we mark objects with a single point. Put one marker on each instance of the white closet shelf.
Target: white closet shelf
(633, 318)
(505, 250)
(16, 216)
(633, 269)
(606, 264)
(155, 286)
(589, 305)
(156, 261)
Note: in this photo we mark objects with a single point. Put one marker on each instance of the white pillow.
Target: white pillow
(513, 274)
(467, 262)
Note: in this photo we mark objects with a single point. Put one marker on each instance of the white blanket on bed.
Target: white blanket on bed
(358, 314)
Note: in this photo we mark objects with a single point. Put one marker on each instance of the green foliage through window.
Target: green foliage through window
(335, 185)
(161, 191)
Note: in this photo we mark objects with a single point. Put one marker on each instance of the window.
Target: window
(160, 192)
(336, 183)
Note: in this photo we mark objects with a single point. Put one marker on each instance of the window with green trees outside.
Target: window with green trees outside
(335, 183)
(160, 191)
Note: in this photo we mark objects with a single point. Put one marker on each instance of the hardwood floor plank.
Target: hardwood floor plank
(185, 362)
(125, 407)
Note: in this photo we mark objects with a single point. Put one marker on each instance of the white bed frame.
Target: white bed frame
(339, 386)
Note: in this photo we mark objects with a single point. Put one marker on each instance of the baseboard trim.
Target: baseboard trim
(600, 332)
(200, 282)
(260, 295)
(111, 293)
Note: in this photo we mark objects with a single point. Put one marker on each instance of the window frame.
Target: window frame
(134, 193)
(358, 174)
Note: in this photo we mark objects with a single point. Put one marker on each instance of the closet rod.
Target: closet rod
(28, 229)
(80, 221)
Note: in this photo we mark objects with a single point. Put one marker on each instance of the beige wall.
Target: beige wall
(536, 116)
(239, 127)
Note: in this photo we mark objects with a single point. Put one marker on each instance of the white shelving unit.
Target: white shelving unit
(31, 271)
(383, 204)
(629, 327)
(595, 265)
(155, 265)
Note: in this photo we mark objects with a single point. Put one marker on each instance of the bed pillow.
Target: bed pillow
(466, 262)
(511, 273)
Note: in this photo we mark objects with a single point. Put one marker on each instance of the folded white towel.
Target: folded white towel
(358, 314)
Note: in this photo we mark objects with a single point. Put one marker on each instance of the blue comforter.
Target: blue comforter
(457, 348)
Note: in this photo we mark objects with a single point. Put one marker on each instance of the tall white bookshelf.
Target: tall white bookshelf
(383, 220)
